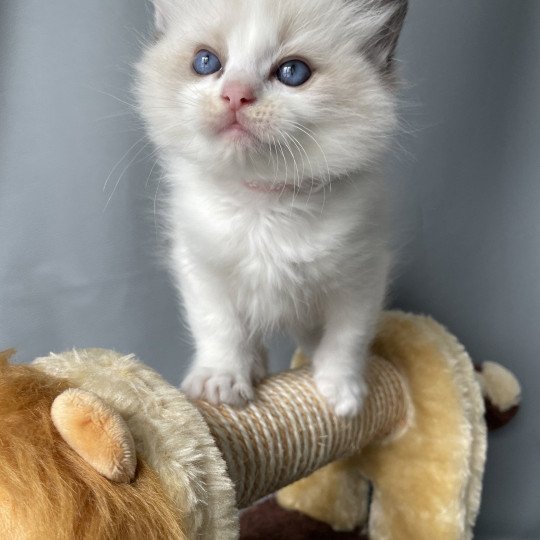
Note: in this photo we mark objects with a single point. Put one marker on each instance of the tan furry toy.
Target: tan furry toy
(96, 445)
(427, 481)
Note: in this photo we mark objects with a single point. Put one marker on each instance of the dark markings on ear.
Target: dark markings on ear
(382, 46)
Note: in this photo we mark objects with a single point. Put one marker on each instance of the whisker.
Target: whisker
(122, 175)
(151, 170)
(296, 172)
(284, 163)
(312, 176)
(155, 205)
(306, 131)
(130, 105)
(276, 161)
(122, 159)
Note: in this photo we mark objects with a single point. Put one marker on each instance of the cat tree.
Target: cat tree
(420, 439)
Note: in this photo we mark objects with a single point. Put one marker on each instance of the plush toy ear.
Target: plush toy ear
(5, 356)
(96, 432)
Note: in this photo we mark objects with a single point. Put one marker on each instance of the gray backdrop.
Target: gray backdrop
(79, 265)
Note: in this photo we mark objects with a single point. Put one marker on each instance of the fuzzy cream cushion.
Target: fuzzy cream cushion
(168, 431)
(426, 481)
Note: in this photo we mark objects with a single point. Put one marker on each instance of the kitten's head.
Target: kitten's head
(288, 90)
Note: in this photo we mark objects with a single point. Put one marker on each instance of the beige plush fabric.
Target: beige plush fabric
(168, 431)
(427, 480)
(337, 494)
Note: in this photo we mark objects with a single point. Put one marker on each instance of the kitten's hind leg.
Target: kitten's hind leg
(259, 369)
(307, 339)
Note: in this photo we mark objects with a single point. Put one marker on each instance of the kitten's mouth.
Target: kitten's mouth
(237, 127)
(237, 132)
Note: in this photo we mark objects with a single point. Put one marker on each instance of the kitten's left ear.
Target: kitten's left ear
(386, 19)
(163, 10)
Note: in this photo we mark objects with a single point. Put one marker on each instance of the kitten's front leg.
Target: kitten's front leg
(226, 362)
(340, 358)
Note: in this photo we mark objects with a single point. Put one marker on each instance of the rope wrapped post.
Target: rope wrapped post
(289, 431)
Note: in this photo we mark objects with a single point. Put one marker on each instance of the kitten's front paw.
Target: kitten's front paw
(216, 386)
(346, 396)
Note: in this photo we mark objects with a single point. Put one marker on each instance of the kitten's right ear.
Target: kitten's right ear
(163, 10)
(383, 21)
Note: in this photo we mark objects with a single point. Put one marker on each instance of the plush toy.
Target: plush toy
(337, 496)
(97, 445)
(333, 503)
(428, 479)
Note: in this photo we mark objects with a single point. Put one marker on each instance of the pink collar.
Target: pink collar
(270, 188)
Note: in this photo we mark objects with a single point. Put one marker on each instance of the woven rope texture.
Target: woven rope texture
(289, 431)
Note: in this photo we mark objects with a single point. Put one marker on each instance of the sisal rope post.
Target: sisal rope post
(289, 431)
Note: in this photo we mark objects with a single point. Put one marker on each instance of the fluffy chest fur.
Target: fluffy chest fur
(280, 254)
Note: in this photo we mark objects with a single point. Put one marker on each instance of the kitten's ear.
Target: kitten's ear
(386, 21)
(163, 10)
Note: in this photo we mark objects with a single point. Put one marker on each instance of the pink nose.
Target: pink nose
(238, 94)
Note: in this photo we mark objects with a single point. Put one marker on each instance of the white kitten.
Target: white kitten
(271, 117)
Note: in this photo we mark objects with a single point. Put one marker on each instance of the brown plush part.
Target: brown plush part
(499, 383)
(340, 500)
(495, 418)
(48, 491)
(269, 521)
(5, 356)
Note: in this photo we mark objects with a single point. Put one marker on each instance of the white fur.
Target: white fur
(306, 251)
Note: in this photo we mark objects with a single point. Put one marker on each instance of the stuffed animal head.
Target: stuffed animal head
(60, 448)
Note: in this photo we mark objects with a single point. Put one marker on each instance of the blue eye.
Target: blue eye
(293, 73)
(206, 63)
